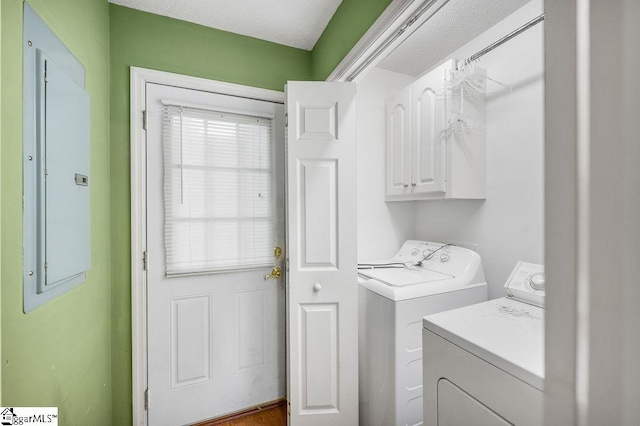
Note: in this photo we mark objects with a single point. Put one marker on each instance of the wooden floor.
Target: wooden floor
(271, 415)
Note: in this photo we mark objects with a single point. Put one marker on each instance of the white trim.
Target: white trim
(217, 111)
(399, 20)
(138, 246)
(139, 79)
(592, 348)
(583, 216)
(561, 211)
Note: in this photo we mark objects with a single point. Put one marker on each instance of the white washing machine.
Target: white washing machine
(394, 295)
(484, 364)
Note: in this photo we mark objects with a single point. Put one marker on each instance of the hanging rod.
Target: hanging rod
(503, 40)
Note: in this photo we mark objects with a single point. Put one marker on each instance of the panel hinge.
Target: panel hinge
(146, 399)
(286, 120)
(288, 408)
(144, 260)
(287, 265)
(144, 119)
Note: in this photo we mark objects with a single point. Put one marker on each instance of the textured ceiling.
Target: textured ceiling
(457, 23)
(295, 23)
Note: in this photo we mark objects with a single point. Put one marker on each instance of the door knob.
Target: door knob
(275, 273)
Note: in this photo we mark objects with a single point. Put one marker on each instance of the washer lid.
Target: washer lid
(401, 277)
(503, 332)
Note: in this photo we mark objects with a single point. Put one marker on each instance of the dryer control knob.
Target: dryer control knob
(537, 281)
(444, 257)
(414, 251)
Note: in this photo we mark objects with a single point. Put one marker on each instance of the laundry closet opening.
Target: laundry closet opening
(451, 158)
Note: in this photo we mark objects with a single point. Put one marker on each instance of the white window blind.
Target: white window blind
(218, 190)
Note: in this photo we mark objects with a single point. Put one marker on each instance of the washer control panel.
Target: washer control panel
(414, 251)
(527, 283)
(439, 257)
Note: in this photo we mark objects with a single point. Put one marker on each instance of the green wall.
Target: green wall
(160, 43)
(351, 20)
(60, 353)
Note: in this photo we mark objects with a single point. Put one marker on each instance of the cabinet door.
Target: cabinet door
(398, 144)
(428, 150)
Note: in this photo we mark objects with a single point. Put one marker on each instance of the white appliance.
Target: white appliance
(394, 294)
(484, 364)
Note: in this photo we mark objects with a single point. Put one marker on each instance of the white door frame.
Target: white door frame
(139, 78)
(592, 209)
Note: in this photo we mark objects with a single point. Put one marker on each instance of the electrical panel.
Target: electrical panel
(56, 178)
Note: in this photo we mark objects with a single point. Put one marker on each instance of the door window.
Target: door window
(218, 190)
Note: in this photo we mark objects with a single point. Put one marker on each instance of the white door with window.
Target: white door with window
(215, 213)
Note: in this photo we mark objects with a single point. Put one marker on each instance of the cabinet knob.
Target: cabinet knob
(405, 185)
(317, 287)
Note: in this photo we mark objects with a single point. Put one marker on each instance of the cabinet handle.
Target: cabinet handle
(405, 185)
(413, 184)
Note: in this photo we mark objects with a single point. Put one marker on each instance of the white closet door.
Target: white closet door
(322, 293)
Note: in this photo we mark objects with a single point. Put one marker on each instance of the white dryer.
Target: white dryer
(394, 295)
(484, 364)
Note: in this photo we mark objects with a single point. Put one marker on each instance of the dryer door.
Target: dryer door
(456, 407)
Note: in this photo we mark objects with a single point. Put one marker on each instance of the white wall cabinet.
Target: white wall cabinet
(424, 160)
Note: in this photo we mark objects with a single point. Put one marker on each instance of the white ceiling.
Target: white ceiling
(295, 23)
(457, 23)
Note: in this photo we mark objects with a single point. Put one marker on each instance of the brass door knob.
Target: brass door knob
(277, 252)
(275, 273)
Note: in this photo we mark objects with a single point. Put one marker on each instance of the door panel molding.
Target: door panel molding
(319, 387)
(318, 240)
(191, 366)
(139, 77)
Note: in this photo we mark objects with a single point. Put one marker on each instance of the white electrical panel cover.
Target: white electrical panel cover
(57, 234)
